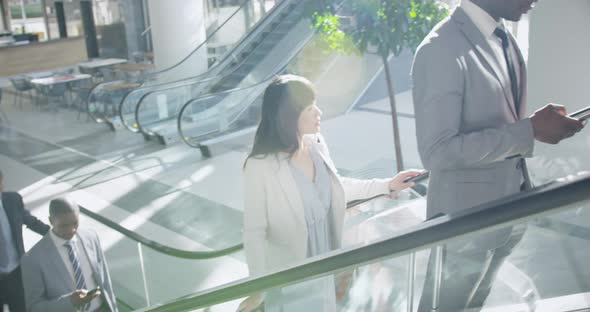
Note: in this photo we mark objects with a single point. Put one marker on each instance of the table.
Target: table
(120, 86)
(98, 63)
(134, 67)
(46, 85)
(58, 79)
(36, 75)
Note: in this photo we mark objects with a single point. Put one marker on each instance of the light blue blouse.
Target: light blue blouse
(317, 202)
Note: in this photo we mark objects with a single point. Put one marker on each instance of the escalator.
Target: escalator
(111, 98)
(228, 106)
(546, 271)
(262, 54)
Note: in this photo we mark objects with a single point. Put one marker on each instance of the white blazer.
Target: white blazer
(275, 232)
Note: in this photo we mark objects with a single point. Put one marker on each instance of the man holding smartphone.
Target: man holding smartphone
(473, 136)
(66, 270)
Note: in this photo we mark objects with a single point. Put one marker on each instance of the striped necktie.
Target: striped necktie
(78, 277)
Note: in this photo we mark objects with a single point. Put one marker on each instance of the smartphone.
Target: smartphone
(582, 114)
(418, 178)
(93, 291)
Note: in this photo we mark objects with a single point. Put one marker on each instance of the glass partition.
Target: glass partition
(539, 254)
(141, 274)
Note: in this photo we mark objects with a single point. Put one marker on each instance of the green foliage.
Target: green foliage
(331, 36)
(381, 27)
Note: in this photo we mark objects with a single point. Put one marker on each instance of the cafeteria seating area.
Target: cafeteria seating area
(67, 88)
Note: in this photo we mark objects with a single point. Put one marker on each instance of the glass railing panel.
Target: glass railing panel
(437, 264)
(216, 114)
(159, 107)
(103, 100)
(129, 104)
(141, 274)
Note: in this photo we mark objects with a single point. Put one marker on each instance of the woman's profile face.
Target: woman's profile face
(309, 120)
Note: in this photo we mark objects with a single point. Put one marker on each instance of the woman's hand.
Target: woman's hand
(251, 303)
(397, 183)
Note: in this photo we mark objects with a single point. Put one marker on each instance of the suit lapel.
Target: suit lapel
(289, 187)
(485, 52)
(90, 252)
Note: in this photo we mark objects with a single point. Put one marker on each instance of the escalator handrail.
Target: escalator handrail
(176, 252)
(178, 84)
(167, 250)
(503, 212)
(91, 94)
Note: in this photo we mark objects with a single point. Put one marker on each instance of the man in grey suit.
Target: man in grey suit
(64, 265)
(473, 135)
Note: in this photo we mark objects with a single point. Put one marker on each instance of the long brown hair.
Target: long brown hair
(284, 100)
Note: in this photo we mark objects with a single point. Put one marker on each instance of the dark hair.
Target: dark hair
(284, 100)
(62, 205)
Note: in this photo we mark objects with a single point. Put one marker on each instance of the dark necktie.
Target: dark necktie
(80, 283)
(509, 62)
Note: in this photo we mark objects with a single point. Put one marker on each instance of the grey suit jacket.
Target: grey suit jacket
(469, 135)
(45, 277)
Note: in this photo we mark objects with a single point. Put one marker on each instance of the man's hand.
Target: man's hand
(79, 297)
(551, 124)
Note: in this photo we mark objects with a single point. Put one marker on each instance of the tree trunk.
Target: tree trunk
(396, 140)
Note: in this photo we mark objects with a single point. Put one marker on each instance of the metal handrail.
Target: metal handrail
(181, 253)
(171, 251)
(510, 210)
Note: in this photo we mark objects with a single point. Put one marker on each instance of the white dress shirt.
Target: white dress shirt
(82, 260)
(6, 232)
(486, 25)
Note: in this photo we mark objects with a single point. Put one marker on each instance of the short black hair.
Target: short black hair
(62, 205)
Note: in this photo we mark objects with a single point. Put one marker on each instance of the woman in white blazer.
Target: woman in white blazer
(294, 198)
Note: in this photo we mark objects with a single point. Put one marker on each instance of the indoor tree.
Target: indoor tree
(380, 27)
